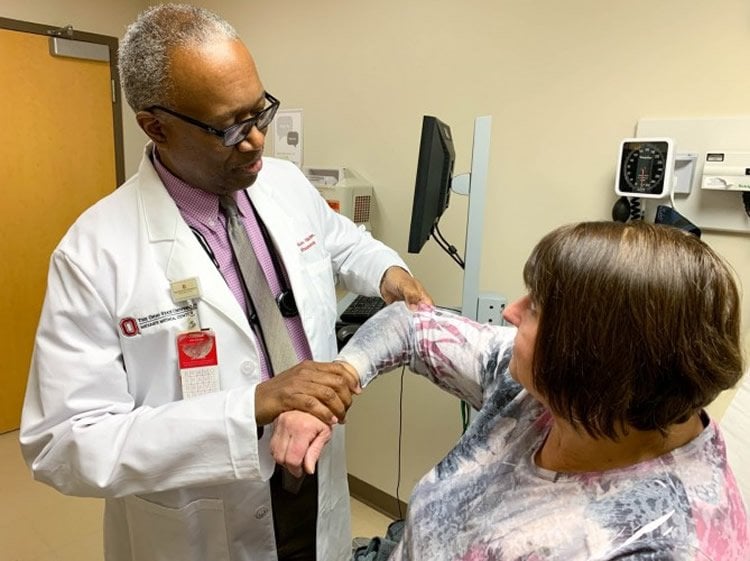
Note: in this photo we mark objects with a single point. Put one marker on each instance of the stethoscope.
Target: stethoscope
(285, 300)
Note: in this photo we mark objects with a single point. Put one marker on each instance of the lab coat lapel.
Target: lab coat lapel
(177, 250)
(279, 229)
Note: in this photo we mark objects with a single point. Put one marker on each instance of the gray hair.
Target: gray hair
(146, 47)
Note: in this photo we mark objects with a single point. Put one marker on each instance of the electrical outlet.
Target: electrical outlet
(490, 308)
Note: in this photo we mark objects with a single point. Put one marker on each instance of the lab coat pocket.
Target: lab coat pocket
(153, 348)
(194, 532)
(320, 283)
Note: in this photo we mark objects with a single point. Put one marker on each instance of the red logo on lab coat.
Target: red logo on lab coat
(129, 327)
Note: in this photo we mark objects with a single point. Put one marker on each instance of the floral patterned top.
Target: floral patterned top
(487, 500)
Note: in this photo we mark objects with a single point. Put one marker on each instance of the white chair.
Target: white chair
(735, 425)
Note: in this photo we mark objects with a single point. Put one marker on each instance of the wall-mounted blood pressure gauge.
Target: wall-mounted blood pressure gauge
(645, 167)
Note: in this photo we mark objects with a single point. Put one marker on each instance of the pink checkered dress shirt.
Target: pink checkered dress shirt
(201, 211)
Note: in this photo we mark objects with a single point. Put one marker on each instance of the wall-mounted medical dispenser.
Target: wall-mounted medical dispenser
(346, 192)
(726, 171)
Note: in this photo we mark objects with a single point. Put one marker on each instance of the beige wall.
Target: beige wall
(106, 17)
(564, 83)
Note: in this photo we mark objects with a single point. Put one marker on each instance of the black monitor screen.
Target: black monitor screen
(434, 174)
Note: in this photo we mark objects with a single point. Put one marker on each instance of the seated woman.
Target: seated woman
(590, 441)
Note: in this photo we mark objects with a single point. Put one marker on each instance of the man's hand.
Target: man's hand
(398, 284)
(298, 440)
(323, 389)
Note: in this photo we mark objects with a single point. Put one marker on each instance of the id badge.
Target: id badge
(198, 363)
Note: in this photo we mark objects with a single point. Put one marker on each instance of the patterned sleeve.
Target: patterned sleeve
(457, 354)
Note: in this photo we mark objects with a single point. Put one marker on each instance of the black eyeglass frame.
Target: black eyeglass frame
(262, 120)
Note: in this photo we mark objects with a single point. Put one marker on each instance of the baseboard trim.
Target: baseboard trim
(375, 498)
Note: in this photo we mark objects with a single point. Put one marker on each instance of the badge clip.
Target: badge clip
(188, 290)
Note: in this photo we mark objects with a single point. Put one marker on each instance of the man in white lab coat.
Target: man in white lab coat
(106, 413)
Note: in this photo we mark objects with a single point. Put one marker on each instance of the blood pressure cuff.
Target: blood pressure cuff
(669, 216)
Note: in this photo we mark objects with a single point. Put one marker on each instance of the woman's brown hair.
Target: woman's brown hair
(639, 325)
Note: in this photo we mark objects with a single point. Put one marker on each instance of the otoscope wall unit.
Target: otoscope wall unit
(716, 198)
(727, 171)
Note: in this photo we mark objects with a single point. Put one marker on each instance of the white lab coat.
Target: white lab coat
(184, 480)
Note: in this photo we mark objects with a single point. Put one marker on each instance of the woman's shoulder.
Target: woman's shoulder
(686, 498)
(718, 510)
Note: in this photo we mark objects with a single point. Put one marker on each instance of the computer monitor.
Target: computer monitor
(434, 175)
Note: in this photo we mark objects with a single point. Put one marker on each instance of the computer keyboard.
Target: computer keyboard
(362, 308)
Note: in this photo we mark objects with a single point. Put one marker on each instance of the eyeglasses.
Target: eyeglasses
(231, 136)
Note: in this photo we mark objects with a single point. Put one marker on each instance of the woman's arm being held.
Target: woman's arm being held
(455, 353)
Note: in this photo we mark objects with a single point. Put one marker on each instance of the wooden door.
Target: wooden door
(58, 146)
